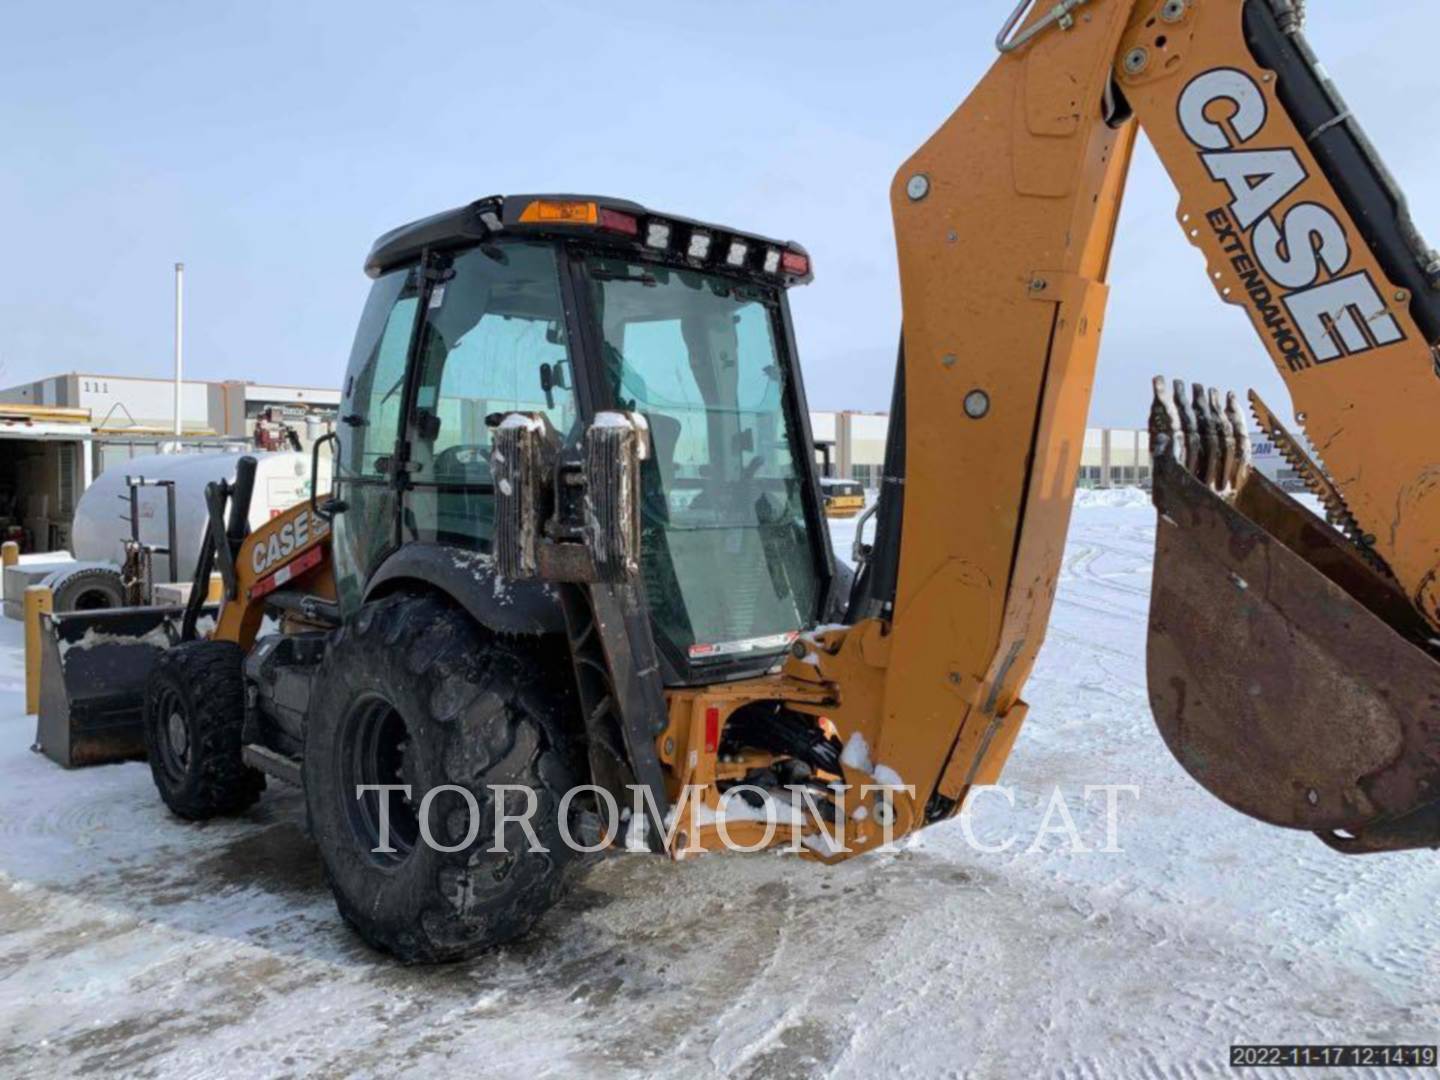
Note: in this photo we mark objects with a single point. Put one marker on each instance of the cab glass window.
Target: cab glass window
(494, 342)
(730, 561)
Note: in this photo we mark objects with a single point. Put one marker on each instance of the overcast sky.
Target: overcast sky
(266, 144)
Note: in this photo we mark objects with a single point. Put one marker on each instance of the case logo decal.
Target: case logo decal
(1292, 264)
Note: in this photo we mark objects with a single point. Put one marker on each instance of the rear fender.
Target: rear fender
(470, 579)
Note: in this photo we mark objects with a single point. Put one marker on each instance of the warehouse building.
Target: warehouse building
(1114, 457)
(857, 441)
(126, 406)
(58, 433)
(1109, 457)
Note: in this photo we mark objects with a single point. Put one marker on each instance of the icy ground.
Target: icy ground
(131, 943)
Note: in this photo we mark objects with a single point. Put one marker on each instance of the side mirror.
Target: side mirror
(331, 506)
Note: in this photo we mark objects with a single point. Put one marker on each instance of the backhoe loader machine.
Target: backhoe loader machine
(576, 534)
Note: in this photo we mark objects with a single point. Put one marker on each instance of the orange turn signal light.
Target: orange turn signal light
(560, 211)
(578, 212)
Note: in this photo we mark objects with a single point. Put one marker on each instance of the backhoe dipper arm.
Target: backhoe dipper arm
(1004, 222)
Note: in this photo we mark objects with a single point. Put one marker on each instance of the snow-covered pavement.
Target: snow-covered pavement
(133, 943)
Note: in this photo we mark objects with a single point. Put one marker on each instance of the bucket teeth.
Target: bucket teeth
(1207, 423)
(1211, 440)
(1201, 467)
(1225, 461)
(1240, 430)
(1167, 432)
(1191, 437)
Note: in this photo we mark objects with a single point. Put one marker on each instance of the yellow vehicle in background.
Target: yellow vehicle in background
(840, 498)
(843, 498)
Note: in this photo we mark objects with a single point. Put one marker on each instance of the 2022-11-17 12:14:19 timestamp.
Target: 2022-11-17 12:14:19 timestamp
(1303, 1056)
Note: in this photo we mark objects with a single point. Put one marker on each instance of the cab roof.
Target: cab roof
(601, 219)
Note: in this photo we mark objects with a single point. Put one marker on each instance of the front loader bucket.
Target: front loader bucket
(93, 670)
(1287, 674)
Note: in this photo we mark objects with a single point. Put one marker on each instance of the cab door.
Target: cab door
(369, 434)
(493, 340)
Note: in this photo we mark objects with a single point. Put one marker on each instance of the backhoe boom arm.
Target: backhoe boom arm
(1004, 222)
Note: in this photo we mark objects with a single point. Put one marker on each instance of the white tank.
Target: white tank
(102, 518)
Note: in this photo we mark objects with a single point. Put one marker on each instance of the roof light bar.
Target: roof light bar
(599, 221)
(697, 243)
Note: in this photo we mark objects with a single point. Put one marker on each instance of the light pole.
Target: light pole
(179, 344)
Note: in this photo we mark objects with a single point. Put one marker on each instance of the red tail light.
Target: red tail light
(795, 262)
(712, 729)
(615, 221)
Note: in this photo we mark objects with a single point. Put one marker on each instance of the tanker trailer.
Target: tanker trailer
(137, 511)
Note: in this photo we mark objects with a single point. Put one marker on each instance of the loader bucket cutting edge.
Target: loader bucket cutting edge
(1285, 674)
(93, 670)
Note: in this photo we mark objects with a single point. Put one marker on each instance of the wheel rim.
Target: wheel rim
(178, 736)
(174, 736)
(374, 751)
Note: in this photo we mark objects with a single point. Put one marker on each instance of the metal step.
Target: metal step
(272, 764)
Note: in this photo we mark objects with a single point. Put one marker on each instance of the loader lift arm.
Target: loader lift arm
(1004, 222)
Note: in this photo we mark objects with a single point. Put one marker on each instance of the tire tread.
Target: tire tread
(485, 697)
(208, 676)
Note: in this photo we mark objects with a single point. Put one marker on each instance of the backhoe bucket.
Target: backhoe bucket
(93, 669)
(1288, 673)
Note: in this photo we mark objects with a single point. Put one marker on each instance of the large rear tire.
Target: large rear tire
(194, 723)
(413, 692)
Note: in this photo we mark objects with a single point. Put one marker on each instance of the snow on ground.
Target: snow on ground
(133, 943)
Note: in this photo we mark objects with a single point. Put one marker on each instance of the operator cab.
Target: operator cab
(569, 306)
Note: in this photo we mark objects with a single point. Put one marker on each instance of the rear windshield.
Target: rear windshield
(730, 563)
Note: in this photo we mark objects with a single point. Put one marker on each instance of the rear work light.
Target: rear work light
(736, 255)
(795, 262)
(699, 245)
(772, 261)
(657, 235)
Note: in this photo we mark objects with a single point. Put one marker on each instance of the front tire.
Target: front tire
(413, 692)
(194, 723)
